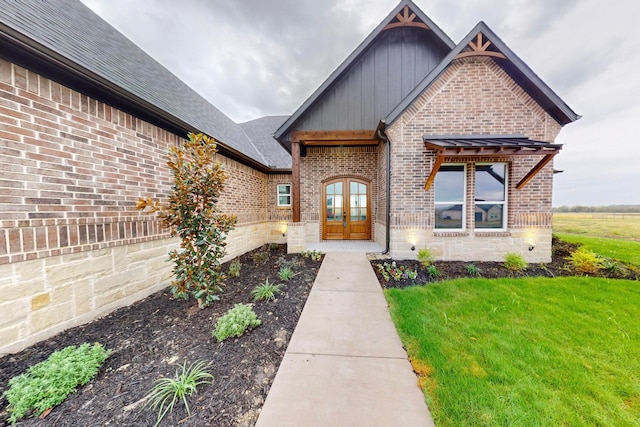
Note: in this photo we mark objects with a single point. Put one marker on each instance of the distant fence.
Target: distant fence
(601, 215)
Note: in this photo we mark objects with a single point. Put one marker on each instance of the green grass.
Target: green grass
(525, 352)
(622, 250)
(613, 226)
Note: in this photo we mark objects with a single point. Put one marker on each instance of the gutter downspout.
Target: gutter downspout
(383, 136)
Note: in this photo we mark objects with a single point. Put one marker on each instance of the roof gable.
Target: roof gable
(360, 68)
(482, 41)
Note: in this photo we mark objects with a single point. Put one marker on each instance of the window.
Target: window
(490, 196)
(450, 193)
(284, 194)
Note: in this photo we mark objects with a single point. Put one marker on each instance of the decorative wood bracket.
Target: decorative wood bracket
(406, 20)
(479, 48)
(533, 172)
(434, 171)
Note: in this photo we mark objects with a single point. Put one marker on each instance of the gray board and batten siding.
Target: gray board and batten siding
(384, 74)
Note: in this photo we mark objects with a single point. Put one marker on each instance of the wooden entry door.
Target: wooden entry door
(345, 212)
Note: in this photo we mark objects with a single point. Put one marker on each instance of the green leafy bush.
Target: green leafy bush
(425, 257)
(48, 383)
(396, 272)
(586, 262)
(234, 268)
(285, 273)
(235, 322)
(167, 391)
(515, 263)
(314, 255)
(292, 263)
(260, 257)
(265, 291)
(192, 214)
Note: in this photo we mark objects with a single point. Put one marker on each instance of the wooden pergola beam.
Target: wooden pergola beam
(342, 142)
(533, 172)
(295, 181)
(332, 135)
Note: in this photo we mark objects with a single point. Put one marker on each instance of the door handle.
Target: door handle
(344, 224)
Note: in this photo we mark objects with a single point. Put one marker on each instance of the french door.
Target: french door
(346, 210)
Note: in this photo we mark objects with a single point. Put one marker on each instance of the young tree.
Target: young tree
(192, 215)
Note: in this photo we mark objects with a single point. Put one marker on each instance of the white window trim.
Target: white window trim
(278, 195)
(456, 202)
(505, 205)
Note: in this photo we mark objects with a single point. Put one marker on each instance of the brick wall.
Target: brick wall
(71, 170)
(472, 96)
(325, 163)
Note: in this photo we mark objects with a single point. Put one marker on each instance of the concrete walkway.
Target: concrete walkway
(345, 364)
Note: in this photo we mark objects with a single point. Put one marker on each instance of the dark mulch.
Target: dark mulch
(559, 266)
(148, 336)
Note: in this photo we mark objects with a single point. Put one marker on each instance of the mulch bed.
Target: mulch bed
(559, 266)
(148, 337)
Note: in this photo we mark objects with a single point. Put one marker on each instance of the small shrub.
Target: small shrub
(48, 383)
(292, 263)
(425, 257)
(472, 270)
(584, 261)
(433, 272)
(235, 322)
(515, 263)
(314, 255)
(266, 291)
(234, 268)
(260, 257)
(612, 266)
(396, 272)
(167, 391)
(273, 246)
(285, 273)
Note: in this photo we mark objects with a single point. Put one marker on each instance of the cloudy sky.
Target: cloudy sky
(252, 58)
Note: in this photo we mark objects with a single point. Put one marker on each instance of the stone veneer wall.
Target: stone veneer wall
(72, 246)
(472, 96)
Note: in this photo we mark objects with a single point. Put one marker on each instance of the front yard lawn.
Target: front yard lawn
(525, 352)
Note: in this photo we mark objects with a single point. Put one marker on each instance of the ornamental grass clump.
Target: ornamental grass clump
(167, 391)
(192, 214)
(48, 383)
(235, 322)
(266, 291)
(515, 263)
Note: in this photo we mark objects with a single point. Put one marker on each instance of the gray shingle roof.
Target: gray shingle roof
(260, 132)
(70, 29)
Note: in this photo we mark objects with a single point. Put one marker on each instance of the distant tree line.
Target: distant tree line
(607, 209)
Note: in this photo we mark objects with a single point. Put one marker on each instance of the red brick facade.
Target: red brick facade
(472, 96)
(73, 167)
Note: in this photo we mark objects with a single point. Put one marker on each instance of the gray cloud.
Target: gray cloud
(252, 58)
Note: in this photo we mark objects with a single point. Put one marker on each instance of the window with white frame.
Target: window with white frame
(490, 205)
(284, 194)
(450, 190)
